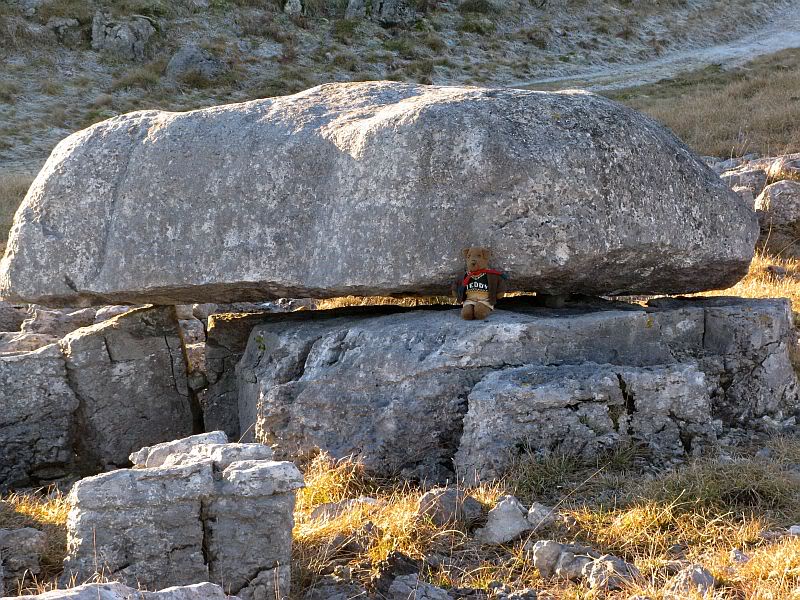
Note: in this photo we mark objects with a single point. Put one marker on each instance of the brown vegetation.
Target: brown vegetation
(754, 108)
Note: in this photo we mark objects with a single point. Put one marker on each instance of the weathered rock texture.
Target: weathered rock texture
(584, 410)
(87, 402)
(409, 392)
(20, 550)
(371, 189)
(217, 512)
(118, 591)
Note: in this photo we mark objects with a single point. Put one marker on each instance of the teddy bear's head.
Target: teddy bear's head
(476, 258)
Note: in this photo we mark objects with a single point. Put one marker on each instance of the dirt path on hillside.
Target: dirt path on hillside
(779, 35)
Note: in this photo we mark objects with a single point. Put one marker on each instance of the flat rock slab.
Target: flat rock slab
(372, 189)
(407, 392)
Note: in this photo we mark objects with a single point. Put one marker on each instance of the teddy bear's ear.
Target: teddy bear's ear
(465, 252)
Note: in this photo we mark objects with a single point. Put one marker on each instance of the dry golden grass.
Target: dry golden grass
(705, 509)
(47, 512)
(763, 280)
(12, 190)
(755, 108)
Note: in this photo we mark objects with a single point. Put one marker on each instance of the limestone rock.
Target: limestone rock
(203, 518)
(127, 39)
(505, 522)
(693, 579)
(192, 331)
(118, 591)
(155, 456)
(449, 505)
(785, 167)
(293, 7)
(610, 573)
(583, 410)
(104, 313)
(393, 12)
(57, 323)
(334, 588)
(355, 9)
(367, 371)
(85, 403)
(15, 343)
(540, 515)
(130, 376)
(11, 316)
(192, 59)
(35, 449)
(628, 210)
(545, 554)
(410, 587)
(778, 209)
(754, 179)
(67, 30)
(20, 550)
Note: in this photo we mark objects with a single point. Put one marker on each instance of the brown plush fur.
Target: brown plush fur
(476, 259)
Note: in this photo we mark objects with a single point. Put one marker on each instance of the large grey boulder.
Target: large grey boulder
(408, 392)
(373, 188)
(202, 516)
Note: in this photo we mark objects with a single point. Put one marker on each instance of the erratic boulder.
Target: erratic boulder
(371, 189)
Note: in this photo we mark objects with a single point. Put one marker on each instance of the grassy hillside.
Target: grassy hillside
(755, 108)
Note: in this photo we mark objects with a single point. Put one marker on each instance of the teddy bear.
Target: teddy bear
(479, 288)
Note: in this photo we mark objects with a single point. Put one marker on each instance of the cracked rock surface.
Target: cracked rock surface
(410, 392)
(575, 192)
(85, 403)
(205, 515)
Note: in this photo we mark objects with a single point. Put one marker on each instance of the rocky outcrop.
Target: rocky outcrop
(389, 172)
(85, 403)
(585, 410)
(125, 38)
(412, 391)
(118, 591)
(37, 423)
(210, 512)
(129, 376)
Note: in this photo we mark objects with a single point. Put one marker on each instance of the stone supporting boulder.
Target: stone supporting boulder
(409, 392)
(574, 193)
(211, 512)
(584, 410)
(83, 404)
